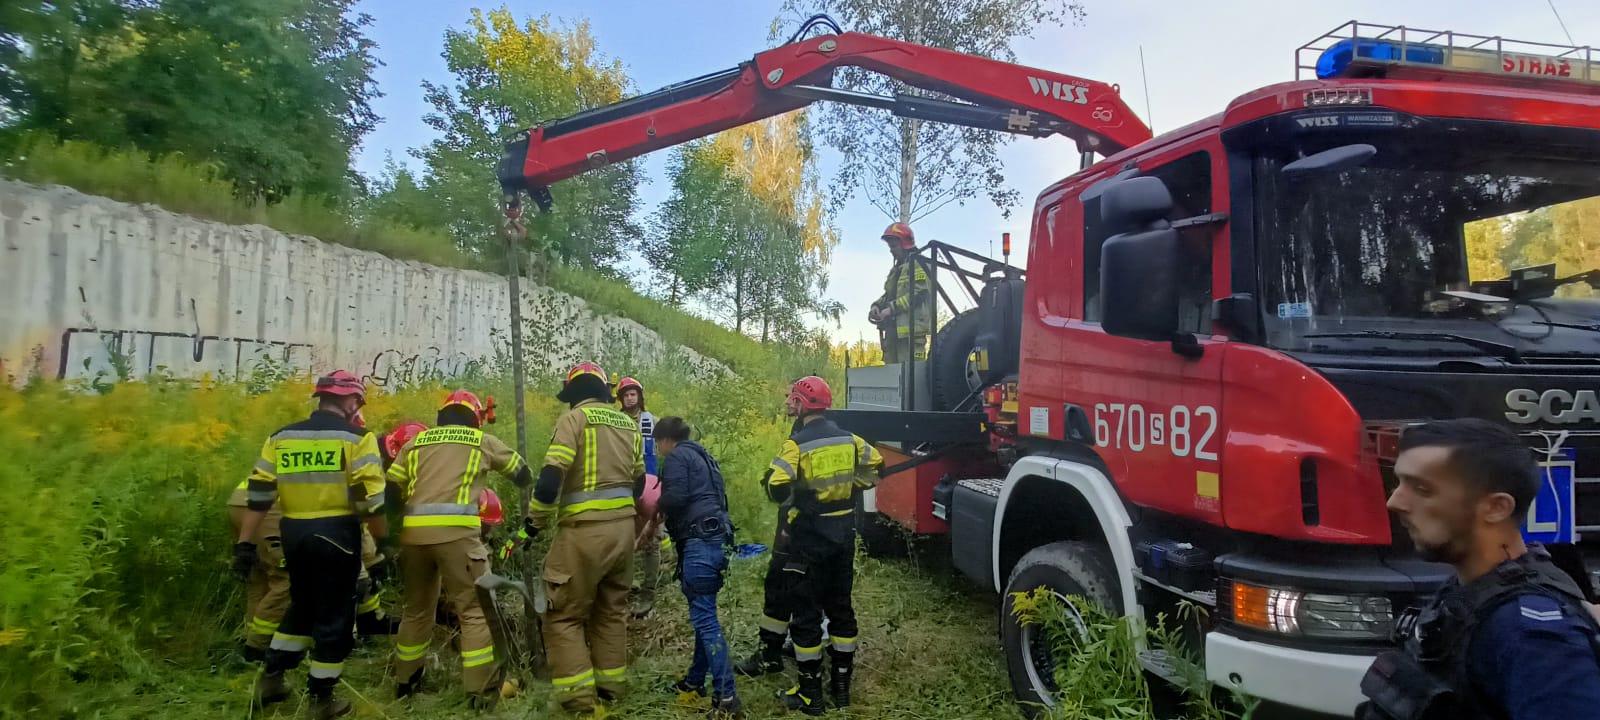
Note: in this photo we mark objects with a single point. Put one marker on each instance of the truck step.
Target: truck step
(987, 486)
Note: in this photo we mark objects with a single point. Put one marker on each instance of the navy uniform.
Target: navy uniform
(1517, 643)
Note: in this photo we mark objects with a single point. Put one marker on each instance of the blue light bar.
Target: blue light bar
(1337, 59)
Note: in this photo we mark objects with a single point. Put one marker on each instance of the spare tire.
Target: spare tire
(950, 377)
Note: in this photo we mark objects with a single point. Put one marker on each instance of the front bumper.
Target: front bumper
(1318, 681)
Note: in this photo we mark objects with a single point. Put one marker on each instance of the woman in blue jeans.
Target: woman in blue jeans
(696, 507)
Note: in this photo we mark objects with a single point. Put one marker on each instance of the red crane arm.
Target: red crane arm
(999, 96)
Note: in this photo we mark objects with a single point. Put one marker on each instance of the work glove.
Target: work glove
(244, 559)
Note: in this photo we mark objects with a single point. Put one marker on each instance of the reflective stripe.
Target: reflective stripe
(366, 460)
(559, 453)
(325, 670)
(613, 674)
(261, 496)
(312, 478)
(569, 510)
(408, 653)
(782, 464)
(515, 464)
(464, 494)
(807, 653)
(810, 445)
(539, 507)
(411, 465)
(374, 504)
(581, 679)
(262, 627)
(442, 509)
(864, 454)
(839, 513)
(844, 644)
(601, 494)
(368, 605)
(774, 625)
(591, 473)
(831, 480)
(474, 658)
(348, 437)
(290, 643)
(265, 466)
(414, 521)
(317, 514)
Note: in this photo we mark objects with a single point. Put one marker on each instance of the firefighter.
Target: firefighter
(647, 524)
(818, 472)
(267, 579)
(593, 474)
(1509, 636)
(904, 314)
(440, 476)
(323, 472)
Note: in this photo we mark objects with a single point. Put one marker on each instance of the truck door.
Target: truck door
(1156, 413)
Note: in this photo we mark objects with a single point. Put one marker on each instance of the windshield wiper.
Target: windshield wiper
(1593, 327)
(1498, 349)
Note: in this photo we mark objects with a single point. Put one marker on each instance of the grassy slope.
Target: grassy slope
(127, 609)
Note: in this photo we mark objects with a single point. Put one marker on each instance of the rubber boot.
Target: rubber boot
(727, 708)
(840, 667)
(766, 660)
(410, 686)
(324, 705)
(806, 696)
(271, 688)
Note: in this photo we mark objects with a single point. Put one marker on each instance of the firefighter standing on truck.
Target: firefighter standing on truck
(440, 474)
(324, 472)
(593, 473)
(818, 471)
(904, 315)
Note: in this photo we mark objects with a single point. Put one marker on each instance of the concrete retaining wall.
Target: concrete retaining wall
(91, 286)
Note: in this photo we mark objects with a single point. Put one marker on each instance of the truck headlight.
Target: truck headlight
(1298, 613)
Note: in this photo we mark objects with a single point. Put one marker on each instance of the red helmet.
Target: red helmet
(489, 509)
(587, 368)
(340, 383)
(900, 233)
(467, 399)
(398, 437)
(626, 383)
(812, 393)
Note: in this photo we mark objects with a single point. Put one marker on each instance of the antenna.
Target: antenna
(1150, 117)
(1561, 22)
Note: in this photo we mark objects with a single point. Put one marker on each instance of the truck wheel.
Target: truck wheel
(1067, 568)
(880, 536)
(950, 379)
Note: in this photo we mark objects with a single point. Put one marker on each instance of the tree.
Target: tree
(276, 92)
(509, 77)
(910, 168)
(745, 229)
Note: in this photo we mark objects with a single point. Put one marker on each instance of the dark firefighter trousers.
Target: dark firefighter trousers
(820, 575)
(324, 559)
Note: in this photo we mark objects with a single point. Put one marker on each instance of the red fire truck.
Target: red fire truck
(1196, 399)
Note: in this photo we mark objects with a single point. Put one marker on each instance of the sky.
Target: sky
(1198, 55)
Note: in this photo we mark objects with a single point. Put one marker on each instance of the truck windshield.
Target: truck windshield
(1424, 238)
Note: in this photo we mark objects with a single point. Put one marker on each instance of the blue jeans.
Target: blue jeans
(702, 565)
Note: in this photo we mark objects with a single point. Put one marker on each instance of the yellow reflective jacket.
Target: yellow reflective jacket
(319, 467)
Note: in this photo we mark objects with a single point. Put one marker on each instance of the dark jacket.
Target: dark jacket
(692, 492)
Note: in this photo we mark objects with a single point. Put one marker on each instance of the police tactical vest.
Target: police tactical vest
(1428, 678)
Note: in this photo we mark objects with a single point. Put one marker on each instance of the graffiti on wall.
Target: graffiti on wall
(88, 353)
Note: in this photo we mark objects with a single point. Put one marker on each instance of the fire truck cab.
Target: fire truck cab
(1225, 329)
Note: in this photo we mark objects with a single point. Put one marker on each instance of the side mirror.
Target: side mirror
(1335, 159)
(1139, 284)
(1135, 203)
(1139, 265)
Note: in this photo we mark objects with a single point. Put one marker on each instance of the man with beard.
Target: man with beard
(1509, 636)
